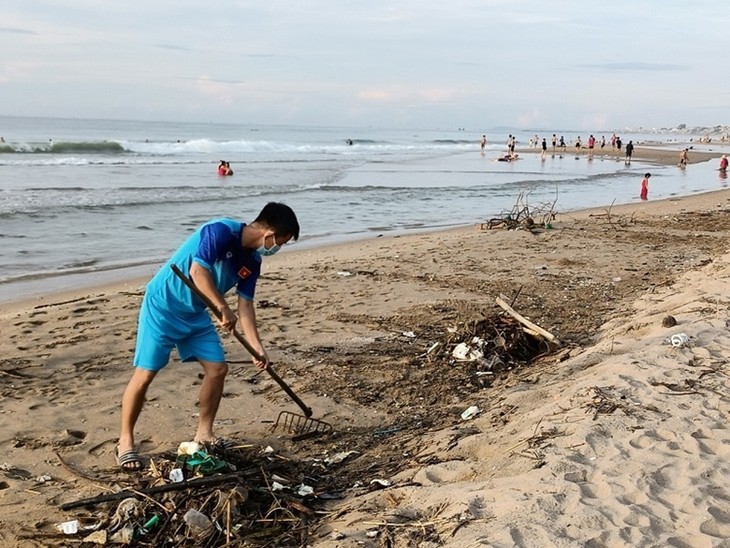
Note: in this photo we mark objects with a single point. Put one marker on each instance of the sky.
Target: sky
(474, 64)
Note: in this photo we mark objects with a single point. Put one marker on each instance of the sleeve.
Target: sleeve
(214, 244)
(246, 288)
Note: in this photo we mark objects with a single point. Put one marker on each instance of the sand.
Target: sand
(614, 438)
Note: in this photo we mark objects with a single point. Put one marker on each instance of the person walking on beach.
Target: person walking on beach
(511, 145)
(618, 147)
(723, 163)
(578, 145)
(591, 145)
(483, 143)
(684, 158)
(629, 151)
(544, 148)
(555, 143)
(220, 255)
(644, 194)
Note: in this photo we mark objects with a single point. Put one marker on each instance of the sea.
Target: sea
(99, 200)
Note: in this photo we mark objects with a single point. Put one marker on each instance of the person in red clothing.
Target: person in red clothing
(723, 163)
(645, 187)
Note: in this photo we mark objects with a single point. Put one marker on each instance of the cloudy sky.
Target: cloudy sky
(569, 64)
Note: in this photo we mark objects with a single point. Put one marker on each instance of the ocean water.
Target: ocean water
(89, 196)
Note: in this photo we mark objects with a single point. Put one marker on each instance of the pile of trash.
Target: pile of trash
(490, 344)
(239, 496)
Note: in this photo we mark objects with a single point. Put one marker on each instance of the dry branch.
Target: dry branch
(527, 323)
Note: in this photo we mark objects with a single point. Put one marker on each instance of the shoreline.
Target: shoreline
(59, 285)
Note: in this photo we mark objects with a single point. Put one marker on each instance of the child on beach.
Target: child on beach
(723, 163)
(644, 195)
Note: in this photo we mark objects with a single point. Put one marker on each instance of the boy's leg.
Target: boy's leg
(211, 392)
(132, 402)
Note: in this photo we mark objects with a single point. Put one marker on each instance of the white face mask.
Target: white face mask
(264, 252)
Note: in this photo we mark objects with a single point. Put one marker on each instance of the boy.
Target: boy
(219, 255)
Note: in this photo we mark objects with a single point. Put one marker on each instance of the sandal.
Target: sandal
(129, 461)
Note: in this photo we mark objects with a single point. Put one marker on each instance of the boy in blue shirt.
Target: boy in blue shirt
(221, 254)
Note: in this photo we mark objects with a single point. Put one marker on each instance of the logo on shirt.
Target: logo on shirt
(244, 273)
(229, 255)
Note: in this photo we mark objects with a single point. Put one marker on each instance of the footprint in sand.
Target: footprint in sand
(719, 526)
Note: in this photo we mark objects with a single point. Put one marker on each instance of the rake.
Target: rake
(302, 427)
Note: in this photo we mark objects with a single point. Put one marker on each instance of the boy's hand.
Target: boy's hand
(261, 364)
(228, 319)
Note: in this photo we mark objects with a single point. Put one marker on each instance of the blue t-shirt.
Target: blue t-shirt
(218, 248)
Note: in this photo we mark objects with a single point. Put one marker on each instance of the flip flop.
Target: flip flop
(129, 461)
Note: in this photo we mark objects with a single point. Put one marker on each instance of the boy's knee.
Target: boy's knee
(217, 370)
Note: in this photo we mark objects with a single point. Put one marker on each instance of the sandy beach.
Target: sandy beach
(613, 436)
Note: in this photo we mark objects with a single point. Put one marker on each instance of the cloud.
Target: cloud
(530, 119)
(206, 80)
(403, 94)
(17, 31)
(636, 66)
(172, 47)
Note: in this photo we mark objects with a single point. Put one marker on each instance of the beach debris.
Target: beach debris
(470, 412)
(409, 334)
(524, 216)
(669, 321)
(679, 340)
(245, 508)
(469, 352)
(344, 273)
(70, 527)
(189, 448)
(176, 475)
(339, 457)
(97, 537)
(198, 522)
(304, 490)
(530, 328)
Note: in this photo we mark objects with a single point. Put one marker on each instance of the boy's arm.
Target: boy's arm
(247, 317)
(203, 280)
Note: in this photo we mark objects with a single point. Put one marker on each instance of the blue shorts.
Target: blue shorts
(158, 332)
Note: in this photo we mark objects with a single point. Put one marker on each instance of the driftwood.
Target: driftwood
(524, 216)
(192, 484)
(533, 328)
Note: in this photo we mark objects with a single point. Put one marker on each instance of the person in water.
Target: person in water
(224, 168)
(644, 194)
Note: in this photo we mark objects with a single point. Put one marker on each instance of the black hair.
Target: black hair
(647, 174)
(280, 218)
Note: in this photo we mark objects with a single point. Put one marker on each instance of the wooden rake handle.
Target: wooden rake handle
(270, 370)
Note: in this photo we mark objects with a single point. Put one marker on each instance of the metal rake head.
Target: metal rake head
(302, 427)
